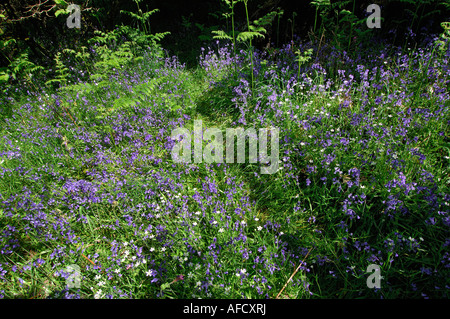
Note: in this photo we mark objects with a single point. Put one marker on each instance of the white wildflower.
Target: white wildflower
(98, 294)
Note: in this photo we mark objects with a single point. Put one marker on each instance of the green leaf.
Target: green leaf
(221, 35)
(165, 286)
(60, 2)
(248, 35)
(8, 42)
(257, 29)
(61, 11)
(267, 19)
(4, 77)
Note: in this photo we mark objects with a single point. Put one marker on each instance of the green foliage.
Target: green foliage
(205, 32)
(221, 35)
(60, 2)
(61, 72)
(303, 57)
(111, 57)
(255, 30)
(140, 107)
(20, 67)
(292, 21)
(61, 11)
(444, 37)
(340, 25)
(322, 9)
(113, 53)
(142, 18)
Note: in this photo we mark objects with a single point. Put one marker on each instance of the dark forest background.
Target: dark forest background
(33, 27)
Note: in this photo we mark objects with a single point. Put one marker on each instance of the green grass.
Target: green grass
(88, 179)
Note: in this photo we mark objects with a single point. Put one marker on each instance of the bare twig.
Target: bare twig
(293, 274)
(36, 10)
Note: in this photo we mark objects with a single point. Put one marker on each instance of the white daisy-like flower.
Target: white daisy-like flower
(259, 228)
(98, 294)
(221, 230)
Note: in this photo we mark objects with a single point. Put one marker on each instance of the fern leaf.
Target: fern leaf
(265, 20)
(248, 35)
(221, 35)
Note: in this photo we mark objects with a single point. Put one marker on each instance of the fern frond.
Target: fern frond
(257, 29)
(133, 15)
(266, 20)
(221, 35)
(248, 35)
(147, 14)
